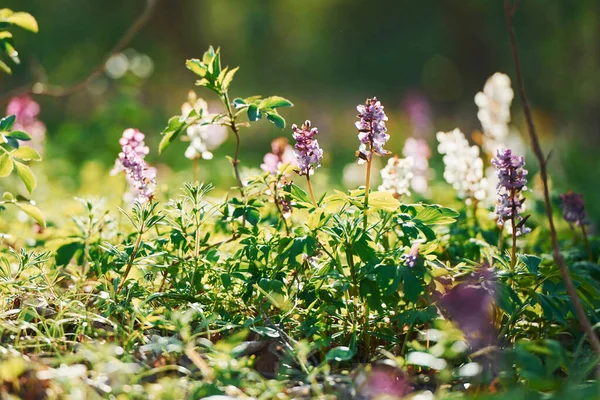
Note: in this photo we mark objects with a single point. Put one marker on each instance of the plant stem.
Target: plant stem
(510, 10)
(367, 186)
(236, 132)
(310, 190)
(587, 244)
(513, 254)
(131, 258)
(275, 198)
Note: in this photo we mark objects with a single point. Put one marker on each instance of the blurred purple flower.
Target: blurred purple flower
(418, 110)
(512, 180)
(470, 305)
(382, 380)
(371, 130)
(307, 150)
(573, 208)
(281, 154)
(26, 112)
(140, 176)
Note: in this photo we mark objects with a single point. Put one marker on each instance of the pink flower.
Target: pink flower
(281, 153)
(26, 111)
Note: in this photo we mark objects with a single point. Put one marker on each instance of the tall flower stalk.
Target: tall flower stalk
(308, 153)
(372, 135)
(512, 180)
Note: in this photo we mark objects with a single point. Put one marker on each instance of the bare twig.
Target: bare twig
(44, 89)
(510, 9)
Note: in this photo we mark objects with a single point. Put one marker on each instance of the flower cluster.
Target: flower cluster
(419, 151)
(512, 180)
(396, 176)
(463, 166)
(494, 111)
(26, 112)
(281, 154)
(371, 130)
(203, 135)
(573, 208)
(140, 176)
(307, 150)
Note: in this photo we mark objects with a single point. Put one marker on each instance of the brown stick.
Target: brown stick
(510, 10)
(42, 89)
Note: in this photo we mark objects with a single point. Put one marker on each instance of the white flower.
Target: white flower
(494, 111)
(203, 136)
(463, 166)
(397, 175)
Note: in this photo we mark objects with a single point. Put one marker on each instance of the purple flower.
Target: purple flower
(470, 305)
(512, 179)
(410, 259)
(573, 208)
(418, 111)
(371, 130)
(307, 150)
(140, 176)
(281, 153)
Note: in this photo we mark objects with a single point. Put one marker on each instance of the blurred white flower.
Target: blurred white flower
(463, 166)
(397, 175)
(494, 111)
(419, 151)
(203, 136)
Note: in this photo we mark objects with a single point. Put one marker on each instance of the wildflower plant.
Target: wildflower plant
(397, 176)
(298, 301)
(463, 167)
(573, 211)
(372, 134)
(308, 153)
(512, 181)
(141, 177)
(494, 111)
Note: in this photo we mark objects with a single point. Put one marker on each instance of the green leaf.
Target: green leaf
(276, 119)
(340, 353)
(228, 78)
(33, 212)
(26, 154)
(7, 122)
(274, 102)
(383, 201)
(23, 20)
(66, 252)
(531, 262)
(20, 135)
(26, 176)
(174, 128)
(436, 215)
(5, 67)
(253, 113)
(6, 165)
(196, 67)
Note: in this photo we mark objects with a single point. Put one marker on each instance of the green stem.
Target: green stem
(310, 190)
(235, 162)
(131, 259)
(587, 244)
(367, 186)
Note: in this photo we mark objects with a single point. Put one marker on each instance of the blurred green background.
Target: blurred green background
(326, 56)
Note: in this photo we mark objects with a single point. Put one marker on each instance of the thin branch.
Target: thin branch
(43, 89)
(510, 10)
